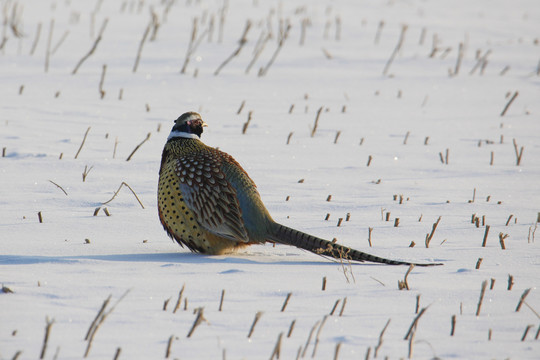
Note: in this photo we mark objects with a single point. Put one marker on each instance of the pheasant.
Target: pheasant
(207, 202)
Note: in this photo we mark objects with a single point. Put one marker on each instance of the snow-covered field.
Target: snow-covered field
(419, 138)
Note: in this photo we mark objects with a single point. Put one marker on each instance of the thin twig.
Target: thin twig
(36, 39)
(60, 42)
(100, 318)
(58, 186)
(198, 320)
(48, 325)
(141, 45)
(169, 344)
(519, 153)
(102, 80)
(318, 336)
(82, 143)
(309, 337)
(403, 284)
(221, 300)
(396, 50)
(282, 38)
(96, 42)
(286, 302)
(430, 235)
(316, 123)
(507, 106)
(485, 236)
(380, 342)
(522, 299)
(255, 320)
(415, 323)
(117, 191)
(277, 348)
(482, 292)
(241, 43)
(49, 41)
(193, 44)
(179, 300)
(138, 146)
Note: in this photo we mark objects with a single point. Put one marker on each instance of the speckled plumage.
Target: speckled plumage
(207, 202)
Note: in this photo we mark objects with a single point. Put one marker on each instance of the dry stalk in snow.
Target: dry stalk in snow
(82, 143)
(198, 320)
(379, 32)
(522, 299)
(430, 235)
(289, 137)
(255, 321)
(193, 44)
(246, 124)
(282, 37)
(510, 282)
(403, 284)
(414, 324)
(99, 319)
(179, 300)
(343, 303)
(461, 53)
(241, 107)
(58, 186)
(507, 106)
(286, 302)
(60, 42)
(117, 191)
(396, 49)
(380, 342)
(317, 337)
(478, 263)
(241, 43)
(141, 45)
(277, 348)
(336, 351)
(102, 80)
(221, 300)
(259, 48)
(48, 325)
(93, 48)
(49, 41)
(36, 39)
(316, 123)
(519, 153)
(291, 328)
(138, 146)
(309, 337)
(526, 332)
(502, 237)
(482, 293)
(481, 62)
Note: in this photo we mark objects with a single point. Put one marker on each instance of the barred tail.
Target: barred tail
(285, 235)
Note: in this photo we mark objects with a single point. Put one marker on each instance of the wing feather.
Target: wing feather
(210, 196)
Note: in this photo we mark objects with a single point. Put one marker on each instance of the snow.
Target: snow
(65, 267)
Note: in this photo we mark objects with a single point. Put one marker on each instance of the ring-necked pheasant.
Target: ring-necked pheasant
(207, 202)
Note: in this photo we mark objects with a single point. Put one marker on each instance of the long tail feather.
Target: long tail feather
(285, 235)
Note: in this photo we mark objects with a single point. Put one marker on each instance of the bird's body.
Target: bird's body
(207, 202)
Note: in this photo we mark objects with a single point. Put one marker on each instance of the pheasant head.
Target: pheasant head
(188, 125)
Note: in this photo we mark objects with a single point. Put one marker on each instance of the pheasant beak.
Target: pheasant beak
(204, 124)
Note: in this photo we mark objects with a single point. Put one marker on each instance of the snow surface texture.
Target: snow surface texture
(424, 139)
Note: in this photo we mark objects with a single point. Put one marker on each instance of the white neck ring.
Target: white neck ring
(175, 134)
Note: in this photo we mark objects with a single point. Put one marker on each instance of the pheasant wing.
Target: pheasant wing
(210, 196)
